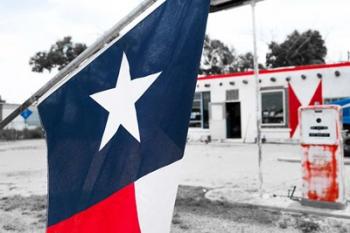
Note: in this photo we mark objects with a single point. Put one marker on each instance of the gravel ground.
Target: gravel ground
(214, 166)
(193, 214)
(23, 167)
(236, 166)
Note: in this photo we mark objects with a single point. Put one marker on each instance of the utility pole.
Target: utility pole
(257, 85)
(348, 55)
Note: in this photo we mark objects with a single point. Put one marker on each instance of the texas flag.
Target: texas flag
(116, 129)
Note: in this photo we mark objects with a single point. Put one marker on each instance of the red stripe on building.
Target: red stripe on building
(318, 96)
(116, 214)
(273, 71)
(294, 105)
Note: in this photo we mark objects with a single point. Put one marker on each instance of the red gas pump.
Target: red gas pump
(322, 162)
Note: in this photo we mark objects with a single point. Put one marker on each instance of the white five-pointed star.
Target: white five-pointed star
(120, 102)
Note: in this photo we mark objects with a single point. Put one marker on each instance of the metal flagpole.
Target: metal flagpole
(91, 50)
(258, 114)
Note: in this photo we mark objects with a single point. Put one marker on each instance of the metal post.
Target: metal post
(258, 114)
(112, 34)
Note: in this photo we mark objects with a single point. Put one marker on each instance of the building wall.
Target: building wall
(332, 79)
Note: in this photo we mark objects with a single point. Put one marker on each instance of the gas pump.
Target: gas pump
(322, 162)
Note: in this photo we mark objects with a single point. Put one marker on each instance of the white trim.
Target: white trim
(274, 130)
(232, 101)
(346, 105)
(284, 107)
(89, 60)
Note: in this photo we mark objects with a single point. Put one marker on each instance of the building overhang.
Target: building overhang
(219, 5)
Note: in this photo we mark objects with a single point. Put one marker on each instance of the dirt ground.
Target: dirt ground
(193, 214)
(23, 178)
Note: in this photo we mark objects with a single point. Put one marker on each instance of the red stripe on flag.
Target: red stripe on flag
(115, 214)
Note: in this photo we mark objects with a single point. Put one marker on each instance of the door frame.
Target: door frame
(240, 118)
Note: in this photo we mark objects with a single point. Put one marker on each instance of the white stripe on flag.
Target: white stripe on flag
(155, 198)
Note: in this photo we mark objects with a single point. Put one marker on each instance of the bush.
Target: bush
(13, 134)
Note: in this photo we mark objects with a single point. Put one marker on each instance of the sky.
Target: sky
(33, 25)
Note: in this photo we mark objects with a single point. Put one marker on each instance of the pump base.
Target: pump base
(323, 204)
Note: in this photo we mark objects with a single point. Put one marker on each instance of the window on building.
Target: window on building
(273, 108)
(200, 110)
(232, 95)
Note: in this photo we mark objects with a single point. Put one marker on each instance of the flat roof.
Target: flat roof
(218, 5)
(276, 70)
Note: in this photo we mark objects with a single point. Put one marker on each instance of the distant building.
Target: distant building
(1, 102)
(19, 123)
(224, 106)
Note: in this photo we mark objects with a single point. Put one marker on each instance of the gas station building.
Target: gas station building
(224, 106)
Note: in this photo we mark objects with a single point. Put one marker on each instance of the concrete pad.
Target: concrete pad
(289, 160)
(229, 170)
(272, 203)
(298, 160)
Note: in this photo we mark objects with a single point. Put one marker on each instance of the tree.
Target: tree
(246, 62)
(59, 55)
(298, 49)
(217, 58)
